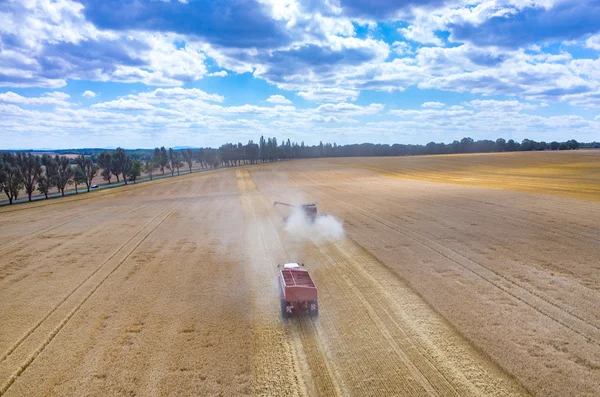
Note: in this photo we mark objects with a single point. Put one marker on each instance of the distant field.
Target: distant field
(574, 174)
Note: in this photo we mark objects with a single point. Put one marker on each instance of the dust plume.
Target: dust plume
(324, 228)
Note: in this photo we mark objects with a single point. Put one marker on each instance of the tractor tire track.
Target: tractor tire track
(42, 264)
(431, 242)
(367, 350)
(50, 228)
(275, 369)
(66, 319)
(514, 221)
(491, 213)
(582, 330)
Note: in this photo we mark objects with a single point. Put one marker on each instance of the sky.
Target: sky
(146, 73)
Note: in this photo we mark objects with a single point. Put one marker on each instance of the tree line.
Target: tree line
(28, 171)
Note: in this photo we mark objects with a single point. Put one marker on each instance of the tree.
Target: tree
(127, 164)
(44, 185)
(511, 145)
(78, 177)
(164, 159)
(88, 168)
(178, 163)
(500, 144)
(188, 155)
(263, 148)
(64, 173)
(51, 169)
(252, 151)
(155, 160)
(201, 158)
(554, 145)
(134, 170)
(31, 168)
(527, 145)
(11, 179)
(106, 174)
(573, 144)
(150, 166)
(104, 160)
(120, 162)
(563, 146)
(171, 164)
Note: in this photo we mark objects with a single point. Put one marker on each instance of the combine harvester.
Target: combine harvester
(310, 210)
(298, 291)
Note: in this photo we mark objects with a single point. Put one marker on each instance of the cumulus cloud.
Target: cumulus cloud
(48, 42)
(533, 23)
(123, 104)
(51, 98)
(88, 94)
(332, 94)
(326, 52)
(278, 99)
(170, 95)
(433, 105)
(505, 106)
(237, 23)
(135, 121)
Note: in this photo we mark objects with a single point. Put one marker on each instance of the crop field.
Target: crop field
(470, 275)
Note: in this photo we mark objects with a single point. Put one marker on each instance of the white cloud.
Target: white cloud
(504, 106)
(593, 42)
(278, 99)
(170, 95)
(51, 98)
(221, 73)
(88, 94)
(402, 48)
(123, 104)
(51, 41)
(333, 94)
(350, 109)
(174, 117)
(433, 105)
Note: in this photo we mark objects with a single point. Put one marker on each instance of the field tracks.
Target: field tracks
(417, 362)
(321, 377)
(531, 298)
(514, 221)
(49, 228)
(149, 227)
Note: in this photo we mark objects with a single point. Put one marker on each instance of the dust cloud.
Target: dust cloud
(325, 228)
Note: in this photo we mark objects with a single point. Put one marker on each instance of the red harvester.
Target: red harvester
(298, 291)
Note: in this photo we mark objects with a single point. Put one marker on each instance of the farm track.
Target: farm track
(149, 227)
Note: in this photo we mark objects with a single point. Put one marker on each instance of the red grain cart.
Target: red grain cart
(298, 291)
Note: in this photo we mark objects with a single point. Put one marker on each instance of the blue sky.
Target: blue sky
(145, 73)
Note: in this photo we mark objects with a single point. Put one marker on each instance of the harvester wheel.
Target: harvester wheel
(313, 309)
(284, 312)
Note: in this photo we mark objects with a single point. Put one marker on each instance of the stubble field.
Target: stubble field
(482, 286)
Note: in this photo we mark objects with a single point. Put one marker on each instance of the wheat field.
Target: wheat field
(457, 275)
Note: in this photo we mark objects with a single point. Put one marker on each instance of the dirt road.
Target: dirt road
(169, 288)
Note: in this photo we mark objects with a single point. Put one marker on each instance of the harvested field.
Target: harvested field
(168, 288)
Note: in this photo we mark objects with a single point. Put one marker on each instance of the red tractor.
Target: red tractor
(298, 291)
